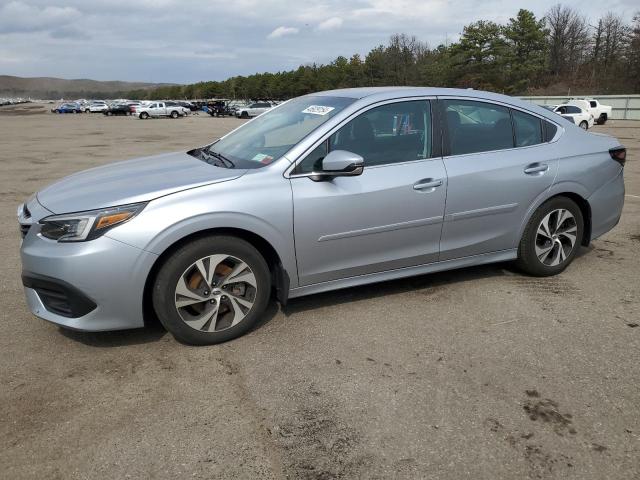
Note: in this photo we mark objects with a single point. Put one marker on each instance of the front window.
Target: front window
(392, 133)
(269, 136)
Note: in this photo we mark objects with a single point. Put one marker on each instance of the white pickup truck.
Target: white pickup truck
(601, 113)
(161, 109)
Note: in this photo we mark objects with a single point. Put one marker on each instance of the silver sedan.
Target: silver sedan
(325, 191)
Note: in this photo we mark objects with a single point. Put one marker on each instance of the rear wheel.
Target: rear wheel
(244, 115)
(552, 238)
(602, 119)
(144, 115)
(212, 290)
(584, 125)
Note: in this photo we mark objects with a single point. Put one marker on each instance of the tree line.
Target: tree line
(561, 53)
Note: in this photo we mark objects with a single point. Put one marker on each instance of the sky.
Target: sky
(186, 41)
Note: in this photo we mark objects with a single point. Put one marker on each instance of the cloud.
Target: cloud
(171, 40)
(282, 31)
(330, 24)
(17, 17)
(70, 33)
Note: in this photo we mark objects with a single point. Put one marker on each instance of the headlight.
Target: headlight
(81, 226)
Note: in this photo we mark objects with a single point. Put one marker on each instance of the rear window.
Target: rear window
(477, 127)
(550, 130)
(527, 128)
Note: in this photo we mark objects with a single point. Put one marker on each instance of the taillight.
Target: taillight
(619, 154)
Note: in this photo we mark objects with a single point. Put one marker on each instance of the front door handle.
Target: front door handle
(427, 183)
(536, 168)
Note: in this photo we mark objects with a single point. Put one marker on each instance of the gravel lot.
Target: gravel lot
(479, 373)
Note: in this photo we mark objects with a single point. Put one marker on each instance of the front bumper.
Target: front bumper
(94, 286)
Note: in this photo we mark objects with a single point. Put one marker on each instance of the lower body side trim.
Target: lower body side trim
(492, 257)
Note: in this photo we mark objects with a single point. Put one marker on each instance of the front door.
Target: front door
(390, 216)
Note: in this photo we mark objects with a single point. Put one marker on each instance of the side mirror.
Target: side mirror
(339, 163)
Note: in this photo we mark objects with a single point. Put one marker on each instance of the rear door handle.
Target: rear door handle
(536, 168)
(427, 183)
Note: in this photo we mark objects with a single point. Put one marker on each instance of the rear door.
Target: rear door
(387, 218)
(497, 163)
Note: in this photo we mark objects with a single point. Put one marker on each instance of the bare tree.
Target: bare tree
(568, 39)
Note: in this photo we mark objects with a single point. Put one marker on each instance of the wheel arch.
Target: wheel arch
(578, 198)
(279, 277)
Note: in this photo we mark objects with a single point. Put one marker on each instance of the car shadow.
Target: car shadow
(150, 333)
(393, 287)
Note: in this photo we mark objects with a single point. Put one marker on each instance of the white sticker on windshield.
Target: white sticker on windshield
(318, 109)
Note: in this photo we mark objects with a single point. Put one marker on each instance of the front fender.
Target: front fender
(258, 203)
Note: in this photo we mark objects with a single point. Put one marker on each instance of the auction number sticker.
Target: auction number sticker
(262, 158)
(318, 109)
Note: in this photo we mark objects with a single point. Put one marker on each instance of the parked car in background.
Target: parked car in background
(253, 109)
(67, 108)
(579, 116)
(191, 106)
(601, 113)
(120, 109)
(98, 107)
(219, 108)
(326, 191)
(134, 106)
(161, 109)
(568, 118)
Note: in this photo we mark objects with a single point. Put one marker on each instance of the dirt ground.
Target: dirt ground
(478, 373)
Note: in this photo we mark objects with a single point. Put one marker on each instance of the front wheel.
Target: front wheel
(144, 115)
(212, 290)
(552, 238)
(174, 114)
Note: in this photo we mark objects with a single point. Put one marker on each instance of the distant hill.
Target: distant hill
(55, 88)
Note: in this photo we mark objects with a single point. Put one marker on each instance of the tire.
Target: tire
(144, 115)
(602, 119)
(209, 316)
(174, 114)
(533, 241)
(244, 115)
(584, 125)
(109, 114)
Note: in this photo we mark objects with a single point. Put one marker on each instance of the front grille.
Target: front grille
(24, 229)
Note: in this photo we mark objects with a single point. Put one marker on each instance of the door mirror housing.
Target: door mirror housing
(339, 163)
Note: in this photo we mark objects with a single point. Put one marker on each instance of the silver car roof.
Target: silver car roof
(376, 94)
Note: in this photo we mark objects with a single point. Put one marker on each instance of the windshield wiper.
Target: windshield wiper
(222, 160)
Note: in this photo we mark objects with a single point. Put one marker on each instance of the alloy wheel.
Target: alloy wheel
(556, 237)
(215, 293)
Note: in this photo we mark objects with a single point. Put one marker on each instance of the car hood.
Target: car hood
(131, 181)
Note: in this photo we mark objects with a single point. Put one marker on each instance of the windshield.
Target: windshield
(272, 134)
